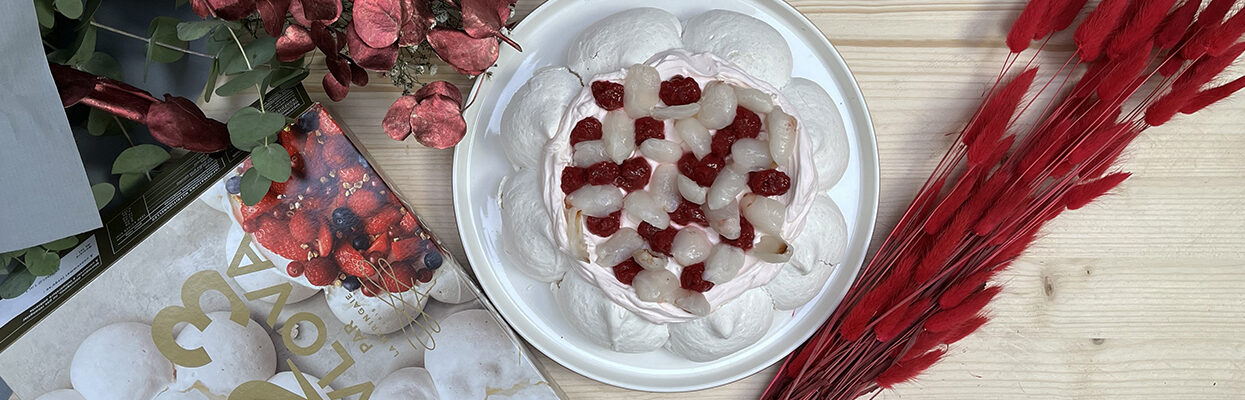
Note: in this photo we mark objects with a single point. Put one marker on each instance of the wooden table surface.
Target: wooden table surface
(1139, 296)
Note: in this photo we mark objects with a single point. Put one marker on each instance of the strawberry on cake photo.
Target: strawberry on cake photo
(670, 182)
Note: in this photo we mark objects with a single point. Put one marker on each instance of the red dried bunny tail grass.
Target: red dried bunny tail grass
(1226, 35)
(997, 113)
(1093, 33)
(956, 293)
(1206, 68)
(1085, 193)
(945, 320)
(1140, 27)
(952, 202)
(857, 321)
(1199, 36)
(924, 342)
(1176, 24)
(1028, 25)
(963, 330)
(904, 371)
(1065, 13)
(1127, 70)
(899, 319)
(1166, 107)
(1211, 96)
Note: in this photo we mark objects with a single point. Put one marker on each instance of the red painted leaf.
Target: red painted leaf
(273, 14)
(231, 9)
(324, 39)
(381, 59)
(294, 43)
(397, 122)
(377, 21)
(322, 10)
(333, 88)
(339, 68)
(417, 19)
(178, 122)
(468, 55)
(437, 122)
(358, 75)
(484, 18)
(442, 88)
(72, 84)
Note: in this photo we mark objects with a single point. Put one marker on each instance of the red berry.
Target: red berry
(648, 128)
(687, 213)
(679, 90)
(606, 226)
(723, 139)
(369, 288)
(379, 246)
(338, 152)
(398, 279)
(627, 270)
(687, 164)
(320, 271)
(769, 182)
(692, 278)
(295, 268)
(633, 174)
(364, 203)
(408, 224)
(609, 95)
(746, 236)
(707, 170)
(302, 227)
(602, 173)
(351, 262)
(382, 221)
(405, 249)
(586, 129)
(572, 179)
(424, 275)
(351, 174)
(660, 240)
(747, 124)
(647, 230)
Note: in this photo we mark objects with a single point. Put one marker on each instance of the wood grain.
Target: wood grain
(1138, 296)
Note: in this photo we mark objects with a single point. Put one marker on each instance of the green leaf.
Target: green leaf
(241, 82)
(103, 65)
(213, 73)
(41, 262)
(195, 30)
(272, 161)
(249, 127)
(139, 159)
(43, 11)
(60, 56)
(61, 244)
(284, 75)
(164, 30)
(219, 41)
(69, 8)
(130, 184)
(103, 123)
(253, 186)
(103, 193)
(16, 284)
(258, 51)
(85, 47)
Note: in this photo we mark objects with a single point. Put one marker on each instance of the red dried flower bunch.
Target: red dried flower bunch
(929, 283)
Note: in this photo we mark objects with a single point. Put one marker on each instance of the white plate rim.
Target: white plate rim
(521, 323)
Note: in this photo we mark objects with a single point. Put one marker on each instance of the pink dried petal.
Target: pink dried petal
(294, 43)
(333, 88)
(367, 57)
(484, 18)
(324, 39)
(231, 10)
(358, 75)
(468, 55)
(178, 122)
(397, 122)
(339, 68)
(272, 12)
(119, 102)
(441, 88)
(437, 122)
(322, 10)
(417, 19)
(377, 21)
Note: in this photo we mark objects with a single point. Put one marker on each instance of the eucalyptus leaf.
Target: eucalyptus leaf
(243, 81)
(258, 51)
(16, 253)
(103, 65)
(131, 184)
(249, 127)
(253, 186)
(195, 30)
(43, 11)
(84, 47)
(218, 42)
(41, 262)
(210, 86)
(69, 8)
(60, 56)
(164, 30)
(103, 193)
(61, 244)
(282, 76)
(272, 161)
(103, 123)
(16, 284)
(139, 159)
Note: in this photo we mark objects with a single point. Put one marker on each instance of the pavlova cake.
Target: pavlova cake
(670, 182)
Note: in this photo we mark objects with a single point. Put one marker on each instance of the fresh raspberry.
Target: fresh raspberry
(692, 278)
(364, 203)
(251, 214)
(747, 124)
(586, 129)
(380, 244)
(351, 262)
(746, 236)
(602, 173)
(369, 288)
(405, 249)
(609, 95)
(679, 90)
(274, 235)
(382, 221)
(648, 128)
(292, 147)
(658, 239)
(572, 179)
(324, 240)
(408, 224)
(769, 182)
(320, 271)
(295, 268)
(424, 275)
(627, 270)
(398, 279)
(687, 213)
(606, 226)
(338, 152)
(723, 139)
(633, 174)
(302, 227)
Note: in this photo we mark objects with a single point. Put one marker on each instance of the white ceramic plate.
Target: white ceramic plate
(528, 305)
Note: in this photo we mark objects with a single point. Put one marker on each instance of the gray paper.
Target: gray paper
(44, 192)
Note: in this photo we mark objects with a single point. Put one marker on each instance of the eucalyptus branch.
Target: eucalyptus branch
(149, 40)
(240, 49)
